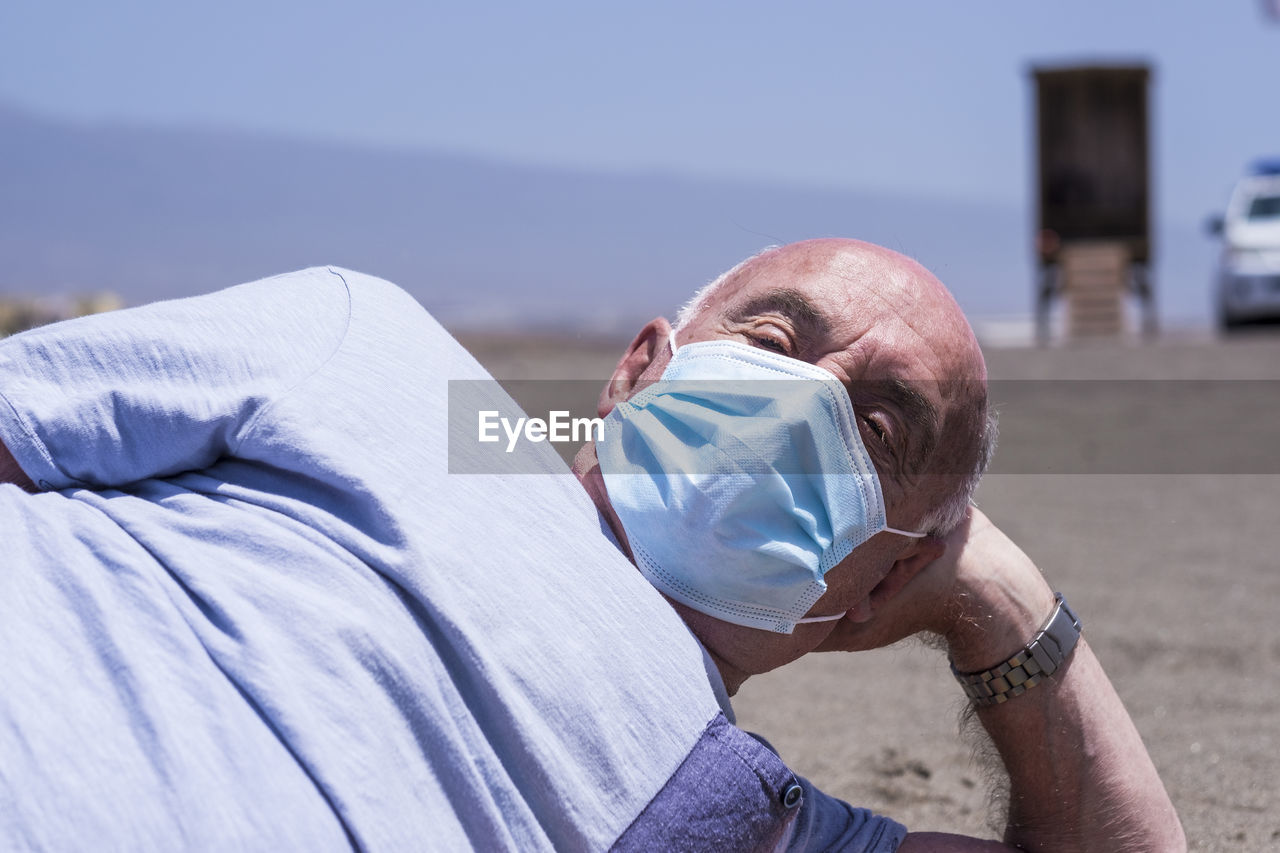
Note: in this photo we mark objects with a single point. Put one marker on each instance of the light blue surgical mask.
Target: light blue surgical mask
(741, 480)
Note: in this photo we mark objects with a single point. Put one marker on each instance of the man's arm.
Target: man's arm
(10, 472)
(1080, 777)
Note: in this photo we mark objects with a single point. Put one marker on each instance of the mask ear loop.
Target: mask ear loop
(831, 618)
(888, 529)
(671, 339)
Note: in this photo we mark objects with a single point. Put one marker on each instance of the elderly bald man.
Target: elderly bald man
(874, 318)
(251, 601)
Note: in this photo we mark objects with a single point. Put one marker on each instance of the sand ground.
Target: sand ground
(1153, 503)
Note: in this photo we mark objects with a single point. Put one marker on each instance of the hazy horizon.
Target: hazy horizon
(152, 212)
(670, 141)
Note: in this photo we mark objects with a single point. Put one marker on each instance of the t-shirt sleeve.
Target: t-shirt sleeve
(828, 824)
(173, 386)
(733, 792)
(825, 823)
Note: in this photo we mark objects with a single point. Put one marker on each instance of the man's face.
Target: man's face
(869, 318)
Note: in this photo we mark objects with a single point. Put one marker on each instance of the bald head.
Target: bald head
(875, 283)
(893, 334)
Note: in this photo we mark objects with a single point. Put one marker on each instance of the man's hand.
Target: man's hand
(10, 472)
(983, 596)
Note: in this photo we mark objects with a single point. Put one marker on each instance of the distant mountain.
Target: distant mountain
(153, 212)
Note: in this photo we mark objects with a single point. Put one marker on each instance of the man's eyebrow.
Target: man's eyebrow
(811, 323)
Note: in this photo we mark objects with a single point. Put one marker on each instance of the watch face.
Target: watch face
(1062, 632)
(1066, 608)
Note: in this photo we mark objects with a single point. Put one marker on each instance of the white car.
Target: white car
(1249, 266)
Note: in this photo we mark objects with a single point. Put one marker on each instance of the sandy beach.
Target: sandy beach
(1144, 480)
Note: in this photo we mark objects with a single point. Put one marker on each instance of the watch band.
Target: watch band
(1038, 660)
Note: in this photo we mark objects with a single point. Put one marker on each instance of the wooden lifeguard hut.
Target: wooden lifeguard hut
(1093, 240)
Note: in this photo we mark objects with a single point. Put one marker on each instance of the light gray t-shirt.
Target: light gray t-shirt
(252, 607)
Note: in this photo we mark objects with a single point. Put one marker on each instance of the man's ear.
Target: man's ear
(644, 360)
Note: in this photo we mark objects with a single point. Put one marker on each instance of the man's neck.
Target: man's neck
(587, 469)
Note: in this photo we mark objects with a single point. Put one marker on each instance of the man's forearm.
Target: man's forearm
(1080, 777)
(10, 472)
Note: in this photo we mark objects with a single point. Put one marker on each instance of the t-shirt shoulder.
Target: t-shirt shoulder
(165, 387)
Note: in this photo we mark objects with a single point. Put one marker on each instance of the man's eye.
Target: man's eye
(875, 428)
(771, 343)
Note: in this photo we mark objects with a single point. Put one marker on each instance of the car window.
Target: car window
(1264, 207)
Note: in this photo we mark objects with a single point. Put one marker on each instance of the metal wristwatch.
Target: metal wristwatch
(1038, 660)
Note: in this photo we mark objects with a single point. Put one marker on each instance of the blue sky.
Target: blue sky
(925, 98)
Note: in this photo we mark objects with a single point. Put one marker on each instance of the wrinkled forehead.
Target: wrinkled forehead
(879, 304)
(844, 293)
